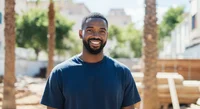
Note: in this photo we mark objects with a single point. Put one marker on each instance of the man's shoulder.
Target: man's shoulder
(68, 63)
(119, 67)
(116, 63)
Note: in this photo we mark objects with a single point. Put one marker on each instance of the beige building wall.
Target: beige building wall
(118, 17)
(195, 11)
(193, 50)
(75, 12)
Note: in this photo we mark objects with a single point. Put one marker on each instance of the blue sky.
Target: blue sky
(135, 8)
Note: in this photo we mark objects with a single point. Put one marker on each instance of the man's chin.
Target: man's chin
(95, 47)
(94, 51)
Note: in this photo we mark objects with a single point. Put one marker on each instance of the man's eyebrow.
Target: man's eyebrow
(103, 29)
(89, 27)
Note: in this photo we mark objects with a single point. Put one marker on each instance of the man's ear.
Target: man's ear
(80, 34)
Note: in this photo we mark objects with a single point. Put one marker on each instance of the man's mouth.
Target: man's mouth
(94, 45)
(95, 42)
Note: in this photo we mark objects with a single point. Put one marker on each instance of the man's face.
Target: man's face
(94, 35)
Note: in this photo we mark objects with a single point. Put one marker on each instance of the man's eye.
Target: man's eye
(89, 31)
(102, 32)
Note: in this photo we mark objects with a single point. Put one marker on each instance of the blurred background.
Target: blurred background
(178, 43)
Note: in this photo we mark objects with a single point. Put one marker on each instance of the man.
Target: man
(91, 80)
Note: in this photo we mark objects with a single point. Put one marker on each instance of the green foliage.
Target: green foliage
(32, 30)
(129, 41)
(122, 50)
(135, 37)
(74, 43)
(114, 32)
(171, 18)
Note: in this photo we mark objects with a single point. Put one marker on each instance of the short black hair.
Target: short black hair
(93, 15)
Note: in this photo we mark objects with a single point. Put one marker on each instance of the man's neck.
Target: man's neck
(91, 58)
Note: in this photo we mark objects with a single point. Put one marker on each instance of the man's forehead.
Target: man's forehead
(95, 20)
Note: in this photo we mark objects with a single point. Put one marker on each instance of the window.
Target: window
(1, 18)
(194, 22)
(0, 45)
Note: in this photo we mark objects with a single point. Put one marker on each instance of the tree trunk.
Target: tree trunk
(149, 94)
(51, 38)
(9, 75)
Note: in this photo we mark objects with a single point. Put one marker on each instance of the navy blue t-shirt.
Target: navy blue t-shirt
(75, 84)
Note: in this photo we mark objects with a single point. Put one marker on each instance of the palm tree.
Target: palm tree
(149, 94)
(9, 75)
(51, 37)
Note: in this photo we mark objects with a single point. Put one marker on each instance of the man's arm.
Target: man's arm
(54, 108)
(129, 107)
(131, 95)
(53, 96)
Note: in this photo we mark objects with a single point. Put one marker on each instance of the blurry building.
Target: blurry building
(180, 38)
(118, 17)
(185, 38)
(76, 12)
(73, 11)
(193, 49)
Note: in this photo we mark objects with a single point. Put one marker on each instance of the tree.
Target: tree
(135, 37)
(74, 44)
(122, 50)
(128, 40)
(9, 75)
(114, 32)
(149, 92)
(32, 30)
(51, 38)
(171, 18)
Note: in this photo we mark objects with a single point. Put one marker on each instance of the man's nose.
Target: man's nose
(96, 33)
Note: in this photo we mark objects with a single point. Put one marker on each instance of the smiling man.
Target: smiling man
(91, 80)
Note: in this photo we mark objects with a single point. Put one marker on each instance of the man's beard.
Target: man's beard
(91, 50)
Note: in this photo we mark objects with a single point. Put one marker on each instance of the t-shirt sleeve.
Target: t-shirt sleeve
(131, 95)
(53, 96)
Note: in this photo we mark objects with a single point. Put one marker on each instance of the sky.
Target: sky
(135, 8)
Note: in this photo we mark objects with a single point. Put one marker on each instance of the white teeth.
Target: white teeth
(95, 42)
